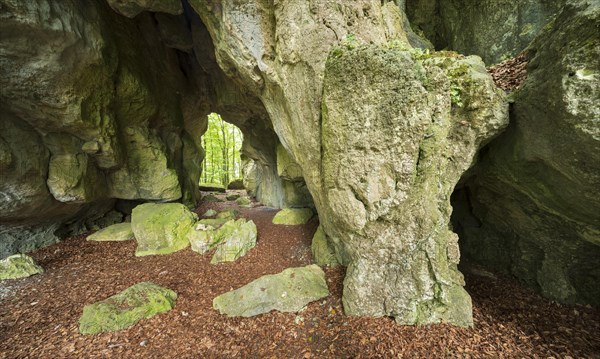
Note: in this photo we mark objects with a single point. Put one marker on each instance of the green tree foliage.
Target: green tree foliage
(222, 143)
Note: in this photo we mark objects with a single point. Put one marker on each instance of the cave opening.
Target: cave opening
(222, 162)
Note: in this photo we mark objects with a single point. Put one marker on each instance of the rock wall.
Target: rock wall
(493, 29)
(532, 207)
(94, 107)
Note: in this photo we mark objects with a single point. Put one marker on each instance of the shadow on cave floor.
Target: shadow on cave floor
(39, 315)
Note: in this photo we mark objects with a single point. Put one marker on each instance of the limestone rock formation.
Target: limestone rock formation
(399, 129)
(322, 251)
(281, 58)
(131, 8)
(293, 216)
(493, 29)
(18, 266)
(161, 228)
(116, 232)
(122, 310)
(288, 291)
(105, 102)
(532, 206)
(94, 107)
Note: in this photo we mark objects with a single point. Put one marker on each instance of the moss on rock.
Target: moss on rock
(161, 228)
(236, 238)
(293, 216)
(116, 232)
(140, 301)
(18, 266)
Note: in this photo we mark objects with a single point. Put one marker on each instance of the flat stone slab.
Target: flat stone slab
(18, 266)
(116, 232)
(161, 228)
(122, 310)
(288, 291)
(293, 216)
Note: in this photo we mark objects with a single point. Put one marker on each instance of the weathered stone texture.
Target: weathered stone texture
(493, 29)
(535, 208)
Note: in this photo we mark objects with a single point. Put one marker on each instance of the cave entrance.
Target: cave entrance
(222, 143)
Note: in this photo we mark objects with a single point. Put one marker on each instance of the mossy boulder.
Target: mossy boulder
(288, 291)
(236, 238)
(214, 222)
(140, 301)
(161, 228)
(210, 213)
(117, 232)
(232, 197)
(236, 184)
(18, 266)
(243, 201)
(211, 198)
(229, 213)
(323, 253)
(293, 216)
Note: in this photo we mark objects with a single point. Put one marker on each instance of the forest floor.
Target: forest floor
(39, 315)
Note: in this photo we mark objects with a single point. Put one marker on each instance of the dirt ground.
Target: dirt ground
(39, 315)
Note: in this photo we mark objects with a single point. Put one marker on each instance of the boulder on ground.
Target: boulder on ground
(161, 228)
(143, 300)
(243, 201)
(18, 266)
(292, 216)
(212, 187)
(232, 197)
(229, 213)
(213, 222)
(116, 232)
(211, 198)
(236, 184)
(237, 238)
(288, 291)
(322, 251)
(210, 213)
